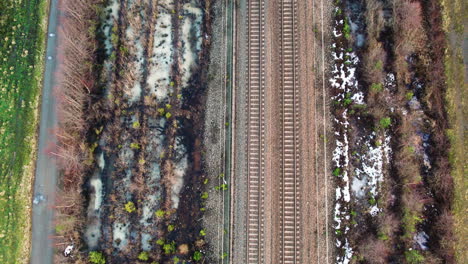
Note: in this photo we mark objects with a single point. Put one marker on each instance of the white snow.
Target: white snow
(101, 161)
(191, 39)
(421, 239)
(120, 234)
(161, 59)
(113, 11)
(96, 183)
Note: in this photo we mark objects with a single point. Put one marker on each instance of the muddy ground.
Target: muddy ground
(146, 193)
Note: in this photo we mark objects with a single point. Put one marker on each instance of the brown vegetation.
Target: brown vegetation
(73, 93)
(405, 39)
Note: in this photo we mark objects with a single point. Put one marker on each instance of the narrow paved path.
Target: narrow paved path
(46, 170)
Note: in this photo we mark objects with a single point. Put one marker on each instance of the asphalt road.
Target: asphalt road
(46, 170)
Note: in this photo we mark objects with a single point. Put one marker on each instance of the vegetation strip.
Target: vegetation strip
(22, 33)
(393, 189)
(454, 16)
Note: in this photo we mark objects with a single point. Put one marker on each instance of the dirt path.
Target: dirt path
(46, 170)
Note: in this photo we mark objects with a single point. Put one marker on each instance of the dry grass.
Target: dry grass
(454, 14)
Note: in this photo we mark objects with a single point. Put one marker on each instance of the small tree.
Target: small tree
(385, 122)
(197, 256)
(160, 213)
(96, 257)
(144, 256)
(130, 207)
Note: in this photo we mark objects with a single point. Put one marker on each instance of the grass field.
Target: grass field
(454, 14)
(22, 35)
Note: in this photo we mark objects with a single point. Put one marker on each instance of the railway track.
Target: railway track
(289, 191)
(290, 220)
(256, 131)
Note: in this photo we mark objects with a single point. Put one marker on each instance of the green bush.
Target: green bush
(385, 122)
(379, 65)
(414, 257)
(134, 145)
(197, 256)
(202, 232)
(160, 242)
(347, 29)
(96, 257)
(160, 213)
(130, 207)
(376, 87)
(204, 195)
(144, 256)
(409, 95)
(169, 248)
(337, 172)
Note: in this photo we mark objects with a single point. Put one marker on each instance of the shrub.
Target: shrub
(224, 255)
(130, 207)
(169, 248)
(337, 172)
(202, 232)
(160, 242)
(170, 228)
(385, 122)
(379, 65)
(409, 95)
(347, 29)
(161, 111)
(96, 257)
(221, 187)
(136, 125)
(204, 195)
(160, 213)
(134, 145)
(414, 257)
(168, 115)
(376, 87)
(197, 256)
(143, 256)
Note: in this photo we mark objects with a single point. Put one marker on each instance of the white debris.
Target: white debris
(68, 250)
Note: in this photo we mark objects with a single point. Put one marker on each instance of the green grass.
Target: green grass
(454, 16)
(22, 34)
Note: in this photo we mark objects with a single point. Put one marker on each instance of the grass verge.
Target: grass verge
(23, 27)
(454, 16)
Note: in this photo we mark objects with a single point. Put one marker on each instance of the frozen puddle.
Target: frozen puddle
(161, 59)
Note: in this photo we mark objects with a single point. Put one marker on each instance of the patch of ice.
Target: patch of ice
(422, 239)
(145, 242)
(120, 234)
(358, 186)
(96, 183)
(101, 161)
(161, 59)
(191, 39)
(179, 173)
